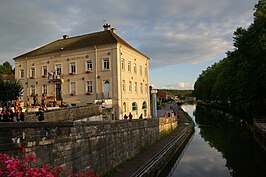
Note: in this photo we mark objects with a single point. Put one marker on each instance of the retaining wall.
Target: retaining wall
(78, 145)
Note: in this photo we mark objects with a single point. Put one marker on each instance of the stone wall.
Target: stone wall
(68, 114)
(78, 145)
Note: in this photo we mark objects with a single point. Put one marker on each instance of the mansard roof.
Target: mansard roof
(79, 42)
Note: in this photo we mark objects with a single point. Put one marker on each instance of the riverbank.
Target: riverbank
(129, 167)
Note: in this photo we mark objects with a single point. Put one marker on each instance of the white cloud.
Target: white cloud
(170, 32)
(178, 86)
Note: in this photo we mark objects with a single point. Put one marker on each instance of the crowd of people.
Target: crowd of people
(11, 114)
(130, 116)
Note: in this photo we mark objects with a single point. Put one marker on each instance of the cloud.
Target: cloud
(170, 32)
(178, 86)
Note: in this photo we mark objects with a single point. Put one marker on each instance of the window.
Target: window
(123, 64)
(58, 68)
(123, 85)
(135, 68)
(72, 68)
(88, 65)
(44, 71)
(146, 88)
(144, 105)
(89, 87)
(32, 72)
(145, 70)
(130, 86)
(140, 69)
(106, 64)
(134, 106)
(136, 87)
(21, 73)
(141, 87)
(44, 89)
(72, 88)
(129, 66)
(32, 90)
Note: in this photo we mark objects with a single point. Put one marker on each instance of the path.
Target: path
(129, 167)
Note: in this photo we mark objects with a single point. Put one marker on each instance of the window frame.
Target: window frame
(87, 65)
(45, 89)
(130, 86)
(32, 90)
(32, 72)
(44, 71)
(106, 63)
(73, 67)
(20, 73)
(71, 89)
(123, 86)
(89, 86)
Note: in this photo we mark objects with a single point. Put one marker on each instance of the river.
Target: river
(218, 148)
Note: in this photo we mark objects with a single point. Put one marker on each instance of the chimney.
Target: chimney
(106, 27)
(65, 36)
(113, 30)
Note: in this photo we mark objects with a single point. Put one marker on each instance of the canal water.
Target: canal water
(218, 148)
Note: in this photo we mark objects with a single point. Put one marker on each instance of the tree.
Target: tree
(240, 78)
(10, 90)
(6, 68)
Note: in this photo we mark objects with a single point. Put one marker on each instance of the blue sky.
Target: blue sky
(182, 37)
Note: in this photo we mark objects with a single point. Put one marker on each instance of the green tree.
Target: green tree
(10, 90)
(240, 78)
(6, 68)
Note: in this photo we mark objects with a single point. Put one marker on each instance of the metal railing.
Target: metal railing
(147, 167)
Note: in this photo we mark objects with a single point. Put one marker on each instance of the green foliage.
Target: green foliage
(180, 93)
(240, 78)
(6, 68)
(10, 90)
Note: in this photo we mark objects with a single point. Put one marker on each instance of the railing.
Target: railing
(149, 166)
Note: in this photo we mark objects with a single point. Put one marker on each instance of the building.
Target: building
(96, 68)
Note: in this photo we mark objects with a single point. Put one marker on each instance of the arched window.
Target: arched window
(134, 106)
(124, 107)
(144, 105)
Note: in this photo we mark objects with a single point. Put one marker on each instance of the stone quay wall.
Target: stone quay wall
(68, 114)
(100, 145)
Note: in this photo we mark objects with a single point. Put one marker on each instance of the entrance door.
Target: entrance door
(58, 92)
(106, 89)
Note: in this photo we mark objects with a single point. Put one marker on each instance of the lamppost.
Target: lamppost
(154, 102)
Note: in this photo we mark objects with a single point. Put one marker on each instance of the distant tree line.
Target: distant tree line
(182, 94)
(239, 80)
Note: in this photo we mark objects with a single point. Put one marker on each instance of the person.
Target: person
(43, 101)
(140, 117)
(165, 114)
(40, 114)
(20, 116)
(125, 116)
(130, 116)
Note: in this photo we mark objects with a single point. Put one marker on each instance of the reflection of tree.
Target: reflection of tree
(234, 142)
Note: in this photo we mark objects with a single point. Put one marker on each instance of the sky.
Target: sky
(181, 37)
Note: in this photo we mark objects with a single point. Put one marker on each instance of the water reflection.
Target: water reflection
(219, 148)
